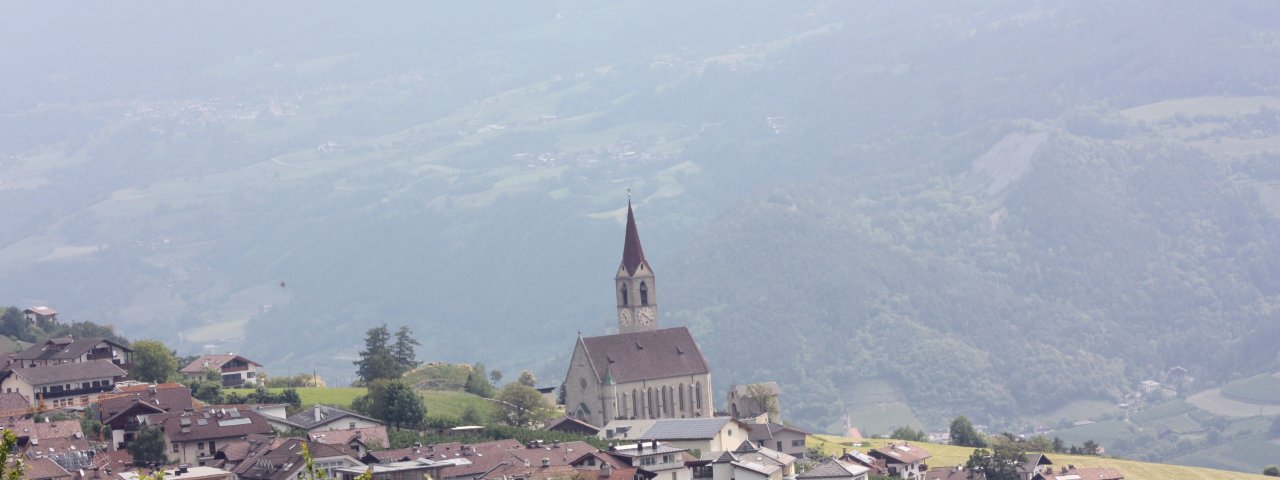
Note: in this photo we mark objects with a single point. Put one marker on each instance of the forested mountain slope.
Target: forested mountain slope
(991, 210)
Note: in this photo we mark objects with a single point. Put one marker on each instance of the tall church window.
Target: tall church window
(623, 290)
(622, 406)
(635, 403)
(666, 405)
(644, 294)
(697, 395)
(681, 398)
(652, 404)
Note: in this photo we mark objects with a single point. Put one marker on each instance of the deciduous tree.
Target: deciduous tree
(148, 446)
(963, 434)
(521, 405)
(153, 361)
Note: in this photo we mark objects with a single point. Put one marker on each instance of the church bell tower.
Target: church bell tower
(634, 284)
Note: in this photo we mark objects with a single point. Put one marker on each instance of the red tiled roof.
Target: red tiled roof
(372, 437)
(210, 424)
(168, 397)
(632, 252)
(44, 468)
(635, 356)
(12, 404)
(901, 453)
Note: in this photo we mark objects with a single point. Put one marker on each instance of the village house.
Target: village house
(665, 462)
(359, 440)
(783, 438)
(903, 460)
(235, 370)
(392, 471)
(41, 315)
(281, 459)
(877, 466)
(1035, 465)
(324, 417)
(56, 351)
(192, 437)
(748, 461)
(62, 385)
(716, 434)
(836, 469)
(571, 425)
(643, 372)
(125, 410)
(184, 473)
(599, 465)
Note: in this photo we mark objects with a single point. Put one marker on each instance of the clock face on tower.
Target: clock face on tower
(624, 316)
(647, 316)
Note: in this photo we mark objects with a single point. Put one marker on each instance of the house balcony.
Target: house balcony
(241, 368)
(50, 394)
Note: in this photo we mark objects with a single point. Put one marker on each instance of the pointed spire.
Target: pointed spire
(632, 252)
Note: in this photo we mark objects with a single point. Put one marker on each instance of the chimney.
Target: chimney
(317, 414)
(655, 444)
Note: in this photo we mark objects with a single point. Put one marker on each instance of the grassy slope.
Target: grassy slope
(946, 455)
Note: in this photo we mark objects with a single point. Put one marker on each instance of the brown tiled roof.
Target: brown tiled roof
(272, 461)
(947, 473)
(372, 437)
(570, 424)
(210, 424)
(41, 310)
(44, 468)
(64, 348)
(69, 372)
(199, 365)
(834, 468)
(168, 397)
(900, 453)
(11, 403)
(637, 356)
(58, 429)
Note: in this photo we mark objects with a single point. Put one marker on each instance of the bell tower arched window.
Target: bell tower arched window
(623, 290)
(644, 294)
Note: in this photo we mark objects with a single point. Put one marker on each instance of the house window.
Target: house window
(211, 447)
(175, 448)
(779, 445)
(644, 294)
(351, 425)
(797, 443)
(200, 446)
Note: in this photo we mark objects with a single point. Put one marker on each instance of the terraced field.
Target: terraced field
(1264, 389)
(1175, 415)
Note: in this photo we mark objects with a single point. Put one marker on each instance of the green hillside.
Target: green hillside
(900, 213)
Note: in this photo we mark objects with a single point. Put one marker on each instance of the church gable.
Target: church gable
(648, 355)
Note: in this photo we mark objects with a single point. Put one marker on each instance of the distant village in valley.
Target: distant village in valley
(82, 403)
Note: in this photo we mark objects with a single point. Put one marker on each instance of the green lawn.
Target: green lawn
(947, 455)
(338, 397)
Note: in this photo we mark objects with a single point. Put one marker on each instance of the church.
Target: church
(644, 371)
